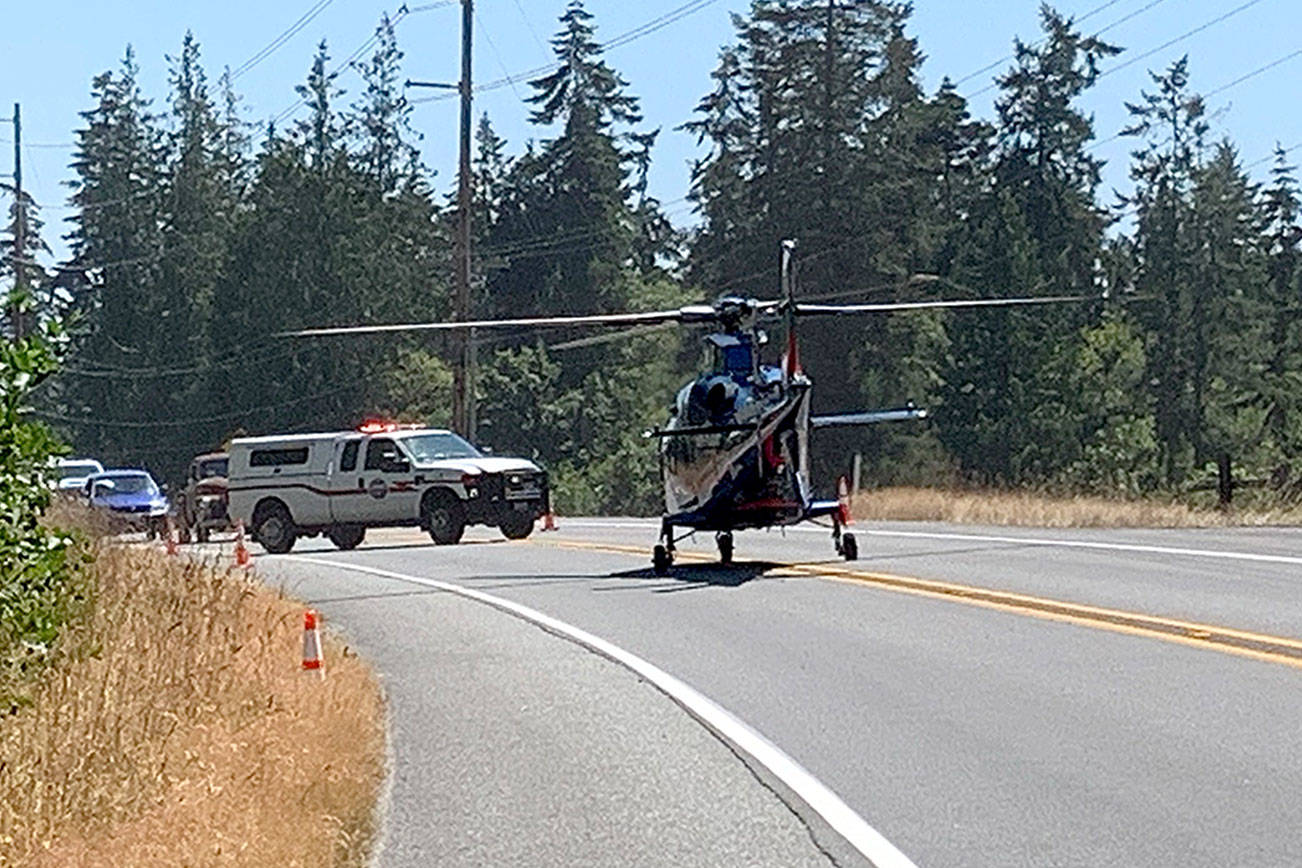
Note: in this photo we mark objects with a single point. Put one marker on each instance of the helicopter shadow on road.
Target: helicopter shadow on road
(696, 576)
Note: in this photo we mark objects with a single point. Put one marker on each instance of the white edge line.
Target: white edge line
(1032, 541)
(813, 792)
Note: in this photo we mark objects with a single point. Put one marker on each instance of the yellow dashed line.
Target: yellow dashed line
(1258, 646)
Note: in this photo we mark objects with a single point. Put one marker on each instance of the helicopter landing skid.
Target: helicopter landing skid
(662, 556)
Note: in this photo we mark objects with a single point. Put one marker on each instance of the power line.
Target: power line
(497, 55)
(655, 24)
(1122, 20)
(403, 12)
(270, 48)
(1256, 72)
(272, 351)
(1273, 155)
(196, 420)
(1006, 58)
(529, 25)
(1183, 36)
(1222, 89)
(40, 144)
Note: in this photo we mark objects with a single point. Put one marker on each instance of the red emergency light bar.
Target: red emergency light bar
(379, 426)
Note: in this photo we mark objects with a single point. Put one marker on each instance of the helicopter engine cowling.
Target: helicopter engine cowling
(710, 400)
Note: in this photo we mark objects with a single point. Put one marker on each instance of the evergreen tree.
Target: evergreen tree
(199, 212)
(119, 192)
(38, 286)
(387, 152)
(1230, 324)
(571, 223)
(819, 131)
(1010, 410)
(1281, 380)
(1172, 124)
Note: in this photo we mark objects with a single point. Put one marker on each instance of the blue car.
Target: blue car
(130, 495)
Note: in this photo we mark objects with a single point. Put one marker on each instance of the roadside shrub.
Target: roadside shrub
(36, 595)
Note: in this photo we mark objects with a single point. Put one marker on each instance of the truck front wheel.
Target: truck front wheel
(445, 519)
(346, 536)
(274, 529)
(516, 525)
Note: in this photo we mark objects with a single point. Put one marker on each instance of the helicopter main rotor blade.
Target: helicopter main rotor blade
(890, 307)
(692, 313)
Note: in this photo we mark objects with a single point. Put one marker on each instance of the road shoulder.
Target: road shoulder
(513, 746)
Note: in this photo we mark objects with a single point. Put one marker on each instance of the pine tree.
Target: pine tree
(1039, 233)
(819, 131)
(1281, 381)
(120, 166)
(38, 285)
(387, 152)
(1231, 321)
(1172, 125)
(197, 231)
(571, 223)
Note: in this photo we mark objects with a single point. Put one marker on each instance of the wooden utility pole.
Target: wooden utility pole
(463, 384)
(463, 365)
(20, 229)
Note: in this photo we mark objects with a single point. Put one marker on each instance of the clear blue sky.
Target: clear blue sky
(49, 52)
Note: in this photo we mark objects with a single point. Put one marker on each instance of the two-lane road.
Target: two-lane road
(979, 696)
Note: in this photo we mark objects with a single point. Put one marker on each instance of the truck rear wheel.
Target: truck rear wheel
(274, 529)
(445, 519)
(516, 525)
(346, 536)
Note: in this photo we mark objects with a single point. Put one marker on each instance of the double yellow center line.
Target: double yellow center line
(1259, 646)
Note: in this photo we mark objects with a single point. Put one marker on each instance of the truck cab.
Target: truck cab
(202, 506)
(381, 475)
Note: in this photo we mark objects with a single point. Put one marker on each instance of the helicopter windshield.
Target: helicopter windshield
(732, 356)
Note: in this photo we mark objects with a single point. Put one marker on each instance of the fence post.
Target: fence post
(1224, 480)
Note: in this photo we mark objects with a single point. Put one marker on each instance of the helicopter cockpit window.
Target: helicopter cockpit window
(733, 359)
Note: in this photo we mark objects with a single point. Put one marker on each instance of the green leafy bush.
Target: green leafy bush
(36, 597)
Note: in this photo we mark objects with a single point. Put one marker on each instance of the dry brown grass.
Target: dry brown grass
(1033, 509)
(179, 729)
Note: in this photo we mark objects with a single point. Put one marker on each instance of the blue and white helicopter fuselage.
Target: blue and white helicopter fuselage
(734, 455)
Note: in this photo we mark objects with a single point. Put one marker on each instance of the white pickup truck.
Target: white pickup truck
(341, 483)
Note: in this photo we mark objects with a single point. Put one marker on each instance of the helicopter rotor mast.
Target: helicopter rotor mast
(791, 363)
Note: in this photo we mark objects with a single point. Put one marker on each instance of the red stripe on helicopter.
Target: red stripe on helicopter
(771, 503)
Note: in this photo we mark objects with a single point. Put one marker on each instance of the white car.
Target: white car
(381, 475)
(73, 473)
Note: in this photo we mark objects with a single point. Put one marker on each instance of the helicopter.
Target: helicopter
(734, 453)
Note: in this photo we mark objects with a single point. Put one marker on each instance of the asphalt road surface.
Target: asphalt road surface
(978, 696)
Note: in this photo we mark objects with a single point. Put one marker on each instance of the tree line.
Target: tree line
(198, 237)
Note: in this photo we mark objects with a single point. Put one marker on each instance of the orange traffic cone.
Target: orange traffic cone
(843, 501)
(241, 550)
(171, 537)
(311, 643)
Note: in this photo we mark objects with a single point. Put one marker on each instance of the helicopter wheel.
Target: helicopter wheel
(661, 560)
(724, 542)
(849, 547)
